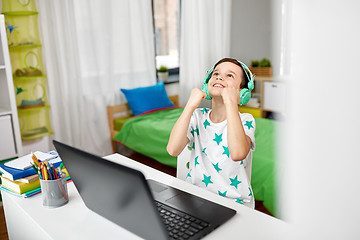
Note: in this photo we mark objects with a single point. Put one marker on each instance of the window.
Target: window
(166, 15)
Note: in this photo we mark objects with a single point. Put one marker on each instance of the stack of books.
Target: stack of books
(20, 179)
(253, 102)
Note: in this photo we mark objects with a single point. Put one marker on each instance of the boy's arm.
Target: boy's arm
(238, 142)
(178, 136)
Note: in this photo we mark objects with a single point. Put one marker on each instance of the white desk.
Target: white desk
(28, 219)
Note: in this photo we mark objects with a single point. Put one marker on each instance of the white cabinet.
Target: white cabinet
(10, 142)
(7, 146)
(274, 97)
(269, 97)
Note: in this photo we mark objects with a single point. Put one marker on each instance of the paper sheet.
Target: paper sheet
(24, 162)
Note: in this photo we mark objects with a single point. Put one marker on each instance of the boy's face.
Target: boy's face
(225, 75)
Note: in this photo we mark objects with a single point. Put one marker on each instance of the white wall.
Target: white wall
(321, 181)
(40, 144)
(314, 46)
(251, 30)
(172, 88)
(257, 31)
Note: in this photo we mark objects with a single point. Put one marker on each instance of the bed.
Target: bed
(148, 134)
(119, 114)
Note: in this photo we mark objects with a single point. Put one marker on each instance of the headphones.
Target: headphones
(245, 93)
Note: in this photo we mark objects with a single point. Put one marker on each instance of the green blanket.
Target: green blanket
(263, 173)
(148, 134)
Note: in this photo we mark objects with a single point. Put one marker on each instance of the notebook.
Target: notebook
(148, 208)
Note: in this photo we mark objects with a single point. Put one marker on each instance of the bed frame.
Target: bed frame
(122, 111)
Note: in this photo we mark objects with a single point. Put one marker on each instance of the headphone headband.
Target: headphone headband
(245, 93)
(245, 69)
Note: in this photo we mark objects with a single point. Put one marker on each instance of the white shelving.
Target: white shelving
(11, 145)
(270, 92)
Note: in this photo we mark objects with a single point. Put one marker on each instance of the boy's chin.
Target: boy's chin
(216, 92)
(218, 96)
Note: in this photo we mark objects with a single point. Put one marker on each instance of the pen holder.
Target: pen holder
(54, 192)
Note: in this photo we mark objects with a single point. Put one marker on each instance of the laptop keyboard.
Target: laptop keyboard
(179, 224)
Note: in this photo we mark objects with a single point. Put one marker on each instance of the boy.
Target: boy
(221, 139)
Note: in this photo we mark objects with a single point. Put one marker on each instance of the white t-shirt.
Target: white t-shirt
(211, 166)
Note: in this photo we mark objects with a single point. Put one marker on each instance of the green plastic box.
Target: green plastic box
(22, 30)
(27, 61)
(30, 92)
(18, 7)
(35, 122)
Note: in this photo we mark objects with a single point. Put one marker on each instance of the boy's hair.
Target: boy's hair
(243, 84)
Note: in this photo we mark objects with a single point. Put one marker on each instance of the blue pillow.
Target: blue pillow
(144, 99)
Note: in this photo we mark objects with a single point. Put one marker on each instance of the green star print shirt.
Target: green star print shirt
(211, 166)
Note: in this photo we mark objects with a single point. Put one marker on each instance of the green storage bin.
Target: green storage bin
(26, 61)
(22, 29)
(34, 122)
(30, 92)
(18, 6)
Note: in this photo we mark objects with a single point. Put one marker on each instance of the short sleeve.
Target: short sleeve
(190, 131)
(249, 126)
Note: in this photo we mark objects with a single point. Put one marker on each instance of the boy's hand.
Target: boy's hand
(195, 98)
(231, 95)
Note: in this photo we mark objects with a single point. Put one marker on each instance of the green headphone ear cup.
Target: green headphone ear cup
(205, 90)
(245, 96)
(206, 81)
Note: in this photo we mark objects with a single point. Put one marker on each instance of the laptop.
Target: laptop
(148, 208)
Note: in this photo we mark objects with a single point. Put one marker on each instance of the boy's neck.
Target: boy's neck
(218, 112)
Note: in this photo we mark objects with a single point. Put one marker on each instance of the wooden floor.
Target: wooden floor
(3, 230)
(140, 158)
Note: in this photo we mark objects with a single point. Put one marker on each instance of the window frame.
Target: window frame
(173, 72)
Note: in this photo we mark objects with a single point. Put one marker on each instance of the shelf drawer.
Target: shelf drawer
(274, 96)
(7, 146)
(253, 111)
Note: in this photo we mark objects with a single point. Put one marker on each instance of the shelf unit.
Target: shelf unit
(11, 145)
(271, 94)
(30, 82)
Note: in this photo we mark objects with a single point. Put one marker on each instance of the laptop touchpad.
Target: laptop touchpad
(157, 188)
(184, 201)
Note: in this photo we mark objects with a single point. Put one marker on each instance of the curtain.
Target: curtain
(205, 39)
(93, 48)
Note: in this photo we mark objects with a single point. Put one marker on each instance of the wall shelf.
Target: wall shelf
(28, 71)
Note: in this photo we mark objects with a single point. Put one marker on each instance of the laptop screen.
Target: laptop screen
(116, 192)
